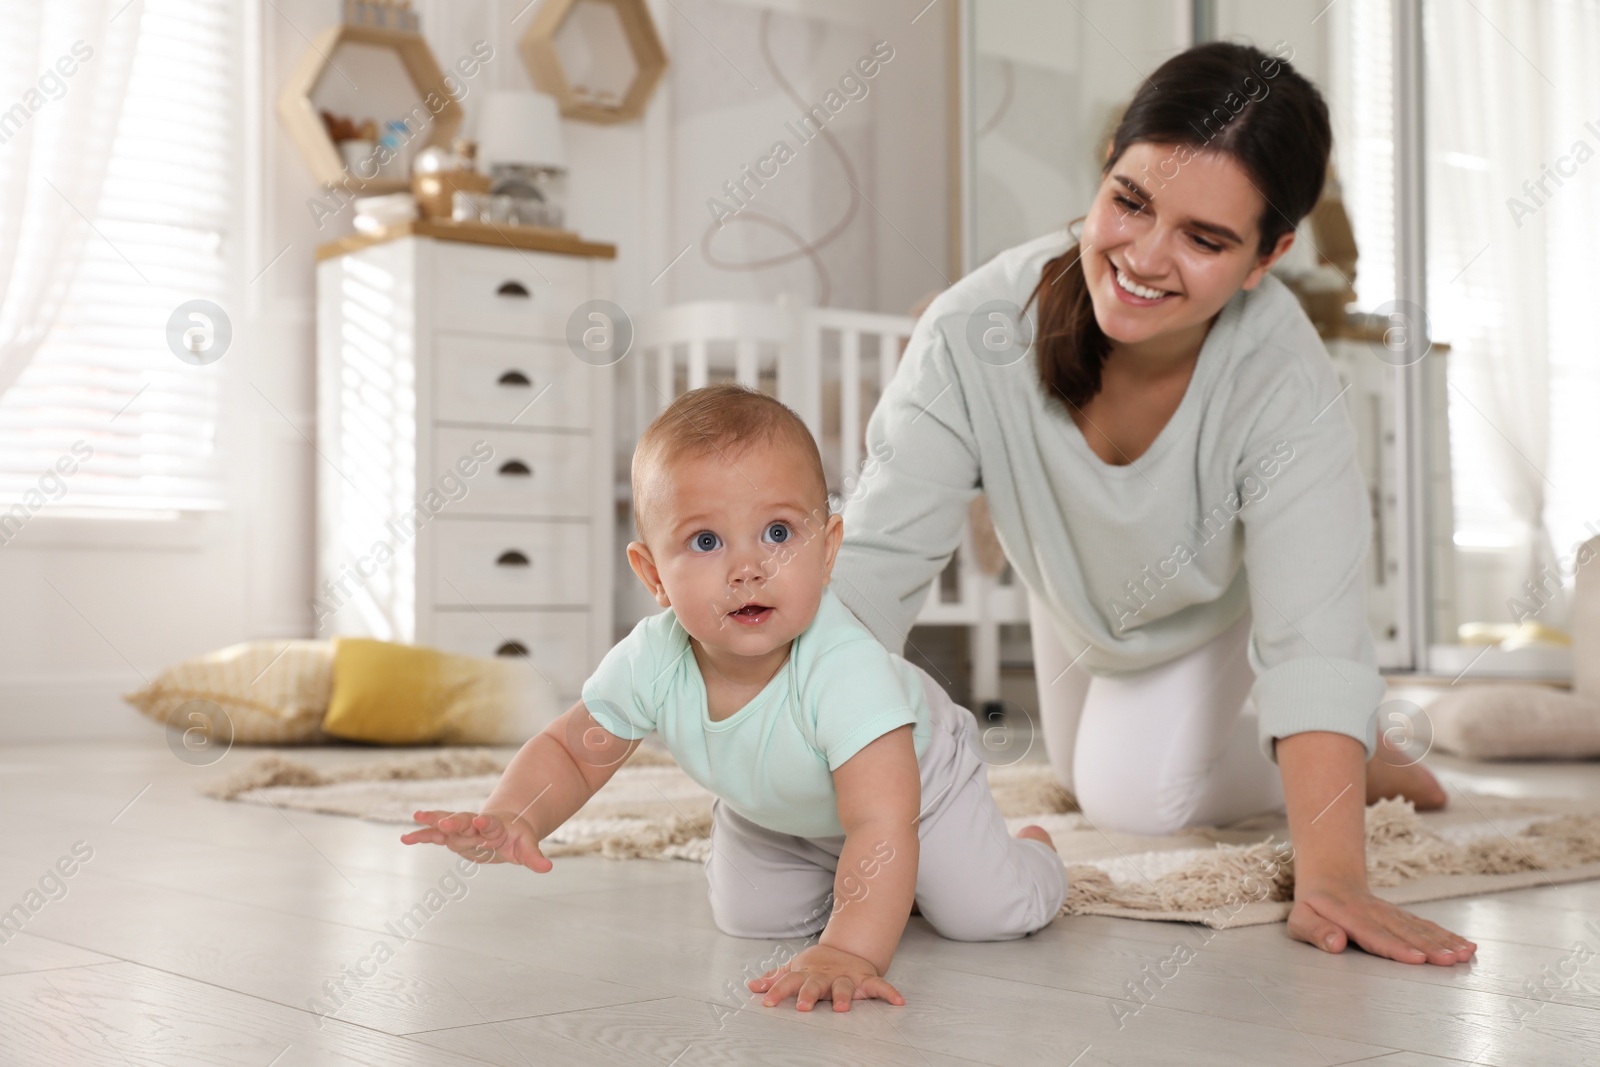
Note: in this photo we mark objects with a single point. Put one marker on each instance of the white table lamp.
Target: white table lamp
(522, 129)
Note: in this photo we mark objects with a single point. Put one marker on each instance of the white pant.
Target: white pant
(1167, 747)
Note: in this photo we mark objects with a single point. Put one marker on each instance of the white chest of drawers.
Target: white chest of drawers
(465, 495)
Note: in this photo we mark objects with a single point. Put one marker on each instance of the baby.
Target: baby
(848, 785)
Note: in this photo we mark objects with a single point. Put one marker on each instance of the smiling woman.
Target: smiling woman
(1168, 369)
(1178, 242)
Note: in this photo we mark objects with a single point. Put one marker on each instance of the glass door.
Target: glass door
(1042, 84)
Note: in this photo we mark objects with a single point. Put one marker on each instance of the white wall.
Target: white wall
(97, 607)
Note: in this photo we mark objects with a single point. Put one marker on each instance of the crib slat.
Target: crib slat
(803, 367)
(637, 376)
(664, 378)
(746, 365)
(888, 358)
(849, 402)
(697, 363)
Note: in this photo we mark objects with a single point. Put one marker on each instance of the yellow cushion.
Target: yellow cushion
(392, 694)
(272, 692)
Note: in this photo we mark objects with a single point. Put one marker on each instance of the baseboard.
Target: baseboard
(82, 706)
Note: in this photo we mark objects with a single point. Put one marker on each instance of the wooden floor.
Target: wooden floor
(202, 932)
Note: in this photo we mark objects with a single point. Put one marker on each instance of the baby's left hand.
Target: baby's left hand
(821, 971)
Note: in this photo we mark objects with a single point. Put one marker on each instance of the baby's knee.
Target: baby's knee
(982, 924)
(1022, 909)
(977, 928)
(751, 914)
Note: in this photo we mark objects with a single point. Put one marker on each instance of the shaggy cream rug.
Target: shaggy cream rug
(1240, 875)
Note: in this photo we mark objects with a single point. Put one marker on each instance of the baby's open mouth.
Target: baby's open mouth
(751, 613)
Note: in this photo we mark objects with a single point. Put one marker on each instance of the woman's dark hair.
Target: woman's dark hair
(1217, 97)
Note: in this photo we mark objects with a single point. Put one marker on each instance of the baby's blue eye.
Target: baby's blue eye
(778, 533)
(705, 541)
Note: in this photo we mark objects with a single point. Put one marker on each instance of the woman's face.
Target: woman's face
(1171, 219)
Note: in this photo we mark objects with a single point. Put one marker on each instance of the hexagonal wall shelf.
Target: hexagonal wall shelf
(601, 59)
(305, 126)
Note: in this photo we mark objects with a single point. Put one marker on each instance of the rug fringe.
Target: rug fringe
(1399, 849)
(273, 768)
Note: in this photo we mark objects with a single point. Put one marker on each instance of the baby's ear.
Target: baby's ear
(833, 536)
(644, 565)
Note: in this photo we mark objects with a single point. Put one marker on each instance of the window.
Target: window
(104, 378)
(1502, 92)
(1512, 214)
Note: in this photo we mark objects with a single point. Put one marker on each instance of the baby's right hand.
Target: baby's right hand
(484, 837)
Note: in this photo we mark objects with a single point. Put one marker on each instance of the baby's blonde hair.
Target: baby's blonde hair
(726, 419)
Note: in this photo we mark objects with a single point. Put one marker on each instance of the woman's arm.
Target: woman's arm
(905, 510)
(1307, 532)
(1325, 788)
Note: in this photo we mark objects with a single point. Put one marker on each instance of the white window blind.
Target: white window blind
(105, 376)
(1361, 100)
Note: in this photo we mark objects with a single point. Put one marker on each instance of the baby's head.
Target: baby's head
(731, 506)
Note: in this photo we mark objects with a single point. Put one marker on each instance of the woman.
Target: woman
(1156, 426)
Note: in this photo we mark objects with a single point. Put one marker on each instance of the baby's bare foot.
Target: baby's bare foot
(1036, 833)
(1390, 773)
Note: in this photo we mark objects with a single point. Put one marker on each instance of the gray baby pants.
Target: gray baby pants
(975, 882)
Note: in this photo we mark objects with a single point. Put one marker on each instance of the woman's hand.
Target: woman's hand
(1331, 915)
(1324, 788)
(484, 837)
(821, 971)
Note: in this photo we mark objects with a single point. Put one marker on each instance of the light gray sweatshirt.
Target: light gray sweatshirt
(1249, 500)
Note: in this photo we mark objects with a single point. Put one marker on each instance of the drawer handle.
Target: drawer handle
(513, 377)
(512, 288)
(515, 467)
(512, 648)
(511, 558)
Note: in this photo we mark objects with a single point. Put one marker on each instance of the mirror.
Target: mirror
(1045, 80)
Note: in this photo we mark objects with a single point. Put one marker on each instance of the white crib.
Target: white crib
(830, 366)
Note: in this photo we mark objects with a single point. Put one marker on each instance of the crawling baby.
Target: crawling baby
(848, 785)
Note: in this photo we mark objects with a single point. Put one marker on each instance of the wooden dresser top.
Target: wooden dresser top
(531, 238)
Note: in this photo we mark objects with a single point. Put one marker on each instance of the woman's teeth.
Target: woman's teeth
(1134, 288)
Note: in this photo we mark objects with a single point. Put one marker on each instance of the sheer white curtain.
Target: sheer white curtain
(1573, 221)
(1511, 86)
(64, 67)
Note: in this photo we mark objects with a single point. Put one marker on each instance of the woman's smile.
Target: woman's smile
(1131, 292)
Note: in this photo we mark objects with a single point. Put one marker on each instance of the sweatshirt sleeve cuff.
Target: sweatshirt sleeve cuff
(1313, 693)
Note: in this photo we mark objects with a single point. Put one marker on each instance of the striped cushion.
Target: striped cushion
(273, 692)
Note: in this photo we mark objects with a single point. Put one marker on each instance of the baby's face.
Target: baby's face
(738, 546)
